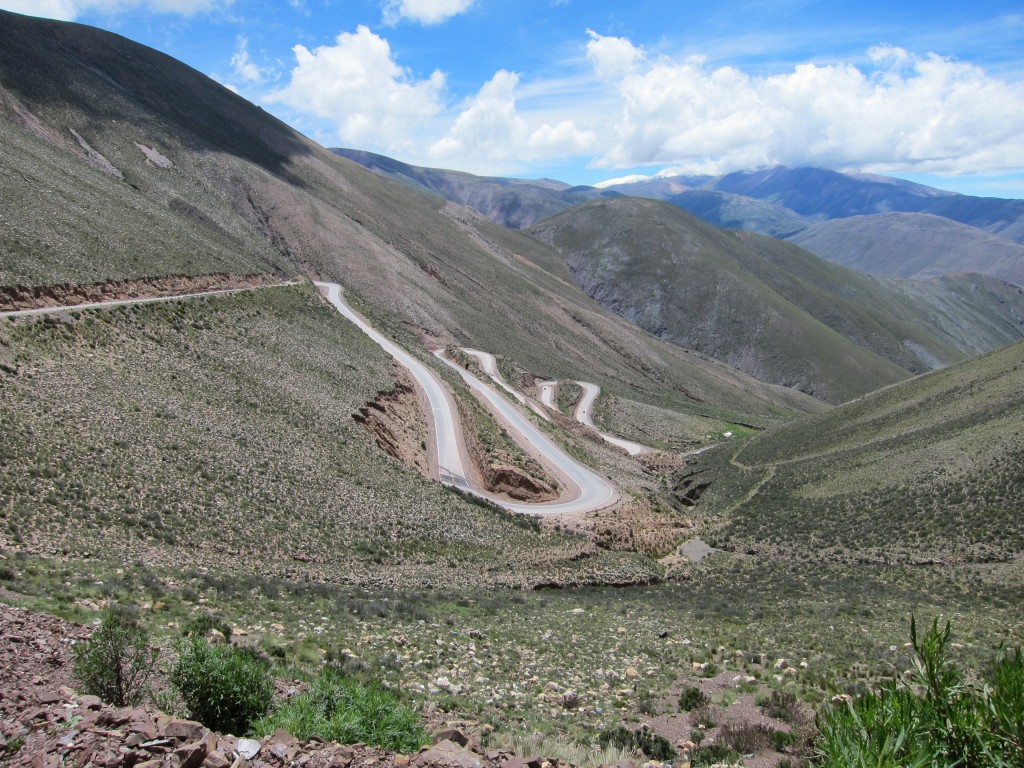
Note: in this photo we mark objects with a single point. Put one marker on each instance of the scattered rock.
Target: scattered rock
(248, 748)
(216, 637)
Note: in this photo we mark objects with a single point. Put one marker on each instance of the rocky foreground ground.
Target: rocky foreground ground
(45, 723)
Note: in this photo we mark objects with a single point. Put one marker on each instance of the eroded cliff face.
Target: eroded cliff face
(503, 478)
(397, 422)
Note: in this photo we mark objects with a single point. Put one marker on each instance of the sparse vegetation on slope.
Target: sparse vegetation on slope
(928, 470)
(212, 429)
(769, 308)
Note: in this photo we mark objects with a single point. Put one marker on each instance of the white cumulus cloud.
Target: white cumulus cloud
(901, 112)
(360, 89)
(612, 57)
(243, 65)
(490, 133)
(424, 11)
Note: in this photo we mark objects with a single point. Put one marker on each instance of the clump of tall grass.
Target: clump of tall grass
(936, 717)
(339, 708)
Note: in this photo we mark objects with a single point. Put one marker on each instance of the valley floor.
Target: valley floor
(535, 670)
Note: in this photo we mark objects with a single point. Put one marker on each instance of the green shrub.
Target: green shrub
(338, 708)
(714, 754)
(935, 718)
(783, 740)
(783, 705)
(116, 661)
(201, 624)
(710, 670)
(653, 746)
(692, 698)
(224, 687)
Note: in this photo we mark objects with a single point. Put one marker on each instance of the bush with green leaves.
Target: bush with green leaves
(715, 754)
(201, 624)
(116, 662)
(937, 717)
(339, 708)
(692, 698)
(223, 686)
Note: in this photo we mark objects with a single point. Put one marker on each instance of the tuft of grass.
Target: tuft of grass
(339, 708)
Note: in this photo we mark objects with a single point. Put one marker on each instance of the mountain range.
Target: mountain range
(850, 219)
(223, 448)
(121, 164)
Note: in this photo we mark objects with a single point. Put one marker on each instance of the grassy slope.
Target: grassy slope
(220, 431)
(927, 470)
(920, 324)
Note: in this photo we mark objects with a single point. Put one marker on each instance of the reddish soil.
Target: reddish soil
(14, 298)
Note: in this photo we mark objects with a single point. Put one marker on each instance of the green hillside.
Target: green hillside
(219, 432)
(928, 470)
(206, 461)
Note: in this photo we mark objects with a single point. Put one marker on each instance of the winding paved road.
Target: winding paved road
(449, 456)
(584, 409)
(490, 367)
(591, 491)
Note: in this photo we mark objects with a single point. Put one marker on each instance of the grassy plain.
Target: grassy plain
(507, 657)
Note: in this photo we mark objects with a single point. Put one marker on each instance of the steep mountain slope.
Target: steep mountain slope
(928, 470)
(913, 245)
(513, 203)
(729, 211)
(226, 186)
(773, 310)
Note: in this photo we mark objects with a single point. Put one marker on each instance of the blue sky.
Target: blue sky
(587, 90)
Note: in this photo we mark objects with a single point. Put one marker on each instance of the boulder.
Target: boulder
(449, 755)
(184, 731)
(191, 755)
(451, 734)
(248, 748)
